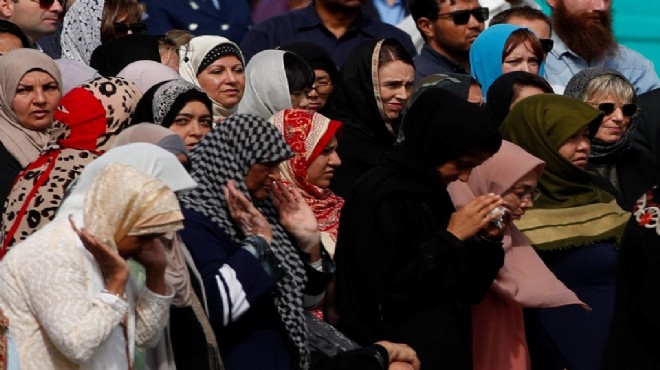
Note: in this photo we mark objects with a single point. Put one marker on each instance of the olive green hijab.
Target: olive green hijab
(572, 209)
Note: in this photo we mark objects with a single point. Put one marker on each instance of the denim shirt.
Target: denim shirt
(562, 64)
(12, 354)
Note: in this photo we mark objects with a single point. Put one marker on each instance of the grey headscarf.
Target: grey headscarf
(81, 33)
(601, 152)
(266, 86)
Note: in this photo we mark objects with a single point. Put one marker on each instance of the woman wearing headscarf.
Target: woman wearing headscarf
(65, 289)
(180, 106)
(88, 121)
(313, 139)
(113, 56)
(157, 135)
(510, 88)
(630, 171)
(504, 48)
(276, 80)
(25, 120)
(498, 340)
(633, 340)
(12, 37)
(574, 227)
(89, 23)
(409, 266)
(325, 72)
(374, 86)
(217, 66)
(255, 284)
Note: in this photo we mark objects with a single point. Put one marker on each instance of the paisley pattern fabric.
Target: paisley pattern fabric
(647, 210)
(87, 123)
(308, 133)
(227, 153)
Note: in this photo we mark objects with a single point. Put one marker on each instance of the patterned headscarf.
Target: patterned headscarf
(194, 54)
(308, 133)
(81, 32)
(163, 102)
(227, 153)
(24, 144)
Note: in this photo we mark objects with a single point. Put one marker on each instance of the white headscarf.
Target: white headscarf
(145, 157)
(266, 87)
(81, 32)
(191, 57)
(147, 73)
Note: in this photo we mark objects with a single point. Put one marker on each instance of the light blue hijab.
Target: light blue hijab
(486, 54)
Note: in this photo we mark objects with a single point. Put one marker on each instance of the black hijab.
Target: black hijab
(501, 92)
(11, 28)
(111, 57)
(315, 56)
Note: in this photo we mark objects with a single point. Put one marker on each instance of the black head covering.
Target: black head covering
(353, 101)
(500, 93)
(111, 57)
(189, 92)
(316, 56)
(440, 126)
(9, 27)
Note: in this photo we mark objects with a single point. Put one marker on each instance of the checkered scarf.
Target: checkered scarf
(226, 154)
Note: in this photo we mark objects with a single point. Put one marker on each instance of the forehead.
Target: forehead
(540, 28)
(457, 4)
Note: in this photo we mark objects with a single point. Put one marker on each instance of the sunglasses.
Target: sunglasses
(461, 17)
(46, 4)
(547, 44)
(123, 28)
(628, 110)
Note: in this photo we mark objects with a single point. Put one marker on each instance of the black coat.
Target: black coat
(400, 275)
(634, 339)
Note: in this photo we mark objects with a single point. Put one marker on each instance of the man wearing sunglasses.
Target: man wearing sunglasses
(583, 38)
(449, 28)
(36, 18)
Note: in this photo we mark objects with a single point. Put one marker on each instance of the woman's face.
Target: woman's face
(321, 170)
(461, 167)
(615, 124)
(520, 196)
(192, 123)
(524, 92)
(318, 95)
(259, 179)
(37, 97)
(224, 80)
(9, 42)
(521, 58)
(396, 81)
(576, 149)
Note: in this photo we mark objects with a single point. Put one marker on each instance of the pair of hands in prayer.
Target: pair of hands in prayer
(295, 216)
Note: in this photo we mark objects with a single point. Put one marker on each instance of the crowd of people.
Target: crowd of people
(323, 190)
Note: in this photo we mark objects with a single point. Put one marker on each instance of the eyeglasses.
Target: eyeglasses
(46, 4)
(628, 110)
(322, 87)
(547, 44)
(123, 28)
(526, 195)
(461, 17)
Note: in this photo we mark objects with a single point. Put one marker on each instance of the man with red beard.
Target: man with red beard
(583, 38)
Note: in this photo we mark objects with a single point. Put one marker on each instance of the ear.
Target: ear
(424, 25)
(6, 9)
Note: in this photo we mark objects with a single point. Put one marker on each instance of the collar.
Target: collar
(455, 67)
(307, 17)
(559, 48)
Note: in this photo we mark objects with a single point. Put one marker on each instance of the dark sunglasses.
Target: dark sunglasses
(547, 44)
(628, 110)
(46, 4)
(461, 17)
(123, 28)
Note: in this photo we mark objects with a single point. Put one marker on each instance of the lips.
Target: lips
(40, 114)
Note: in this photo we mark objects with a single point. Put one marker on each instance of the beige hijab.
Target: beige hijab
(24, 144)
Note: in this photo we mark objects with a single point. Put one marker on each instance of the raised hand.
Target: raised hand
(297, 218)
(474, 216)
(402, 356)
(113, 267)
(246, 216)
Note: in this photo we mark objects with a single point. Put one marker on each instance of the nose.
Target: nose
(231, 77)
(464, 175)
(527, 203)
(195, 129)
(526, 67)
(57, 7)
(600, 5)
(334, 160)
(274, 173)
(617, 115)
(39, 96)
(584, 145)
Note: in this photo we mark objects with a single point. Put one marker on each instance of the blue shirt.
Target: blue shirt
(304, 25)
(430, 62)
(390, 14)
(562, 64)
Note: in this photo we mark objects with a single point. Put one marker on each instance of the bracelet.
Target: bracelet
(120, 296)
